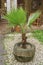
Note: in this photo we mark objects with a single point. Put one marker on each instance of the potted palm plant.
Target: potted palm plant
(23, 51)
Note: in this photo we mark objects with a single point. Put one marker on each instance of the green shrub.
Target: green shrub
(38, 34)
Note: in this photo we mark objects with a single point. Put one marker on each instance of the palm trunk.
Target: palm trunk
(23, 40)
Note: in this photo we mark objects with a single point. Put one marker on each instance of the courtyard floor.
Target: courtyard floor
(3, 28)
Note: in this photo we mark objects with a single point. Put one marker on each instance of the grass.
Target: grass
(38, 34)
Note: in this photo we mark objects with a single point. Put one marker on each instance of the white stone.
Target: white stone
(15, 4)
(8, 5)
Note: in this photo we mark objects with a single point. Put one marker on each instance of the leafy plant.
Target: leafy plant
(33, 17)
(38, 34)
(18, 17)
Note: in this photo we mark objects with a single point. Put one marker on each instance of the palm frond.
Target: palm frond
(33, 17)
(16, 17)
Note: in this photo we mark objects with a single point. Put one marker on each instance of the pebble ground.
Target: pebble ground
(9, 43)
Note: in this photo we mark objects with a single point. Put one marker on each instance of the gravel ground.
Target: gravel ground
(9, 42)
(2, 51)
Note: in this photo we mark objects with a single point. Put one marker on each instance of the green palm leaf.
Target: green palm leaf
(33, 17)
(16, 17)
